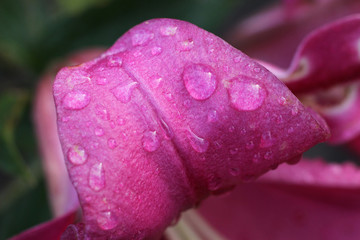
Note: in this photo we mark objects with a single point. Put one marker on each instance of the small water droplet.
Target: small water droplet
(213, 116)
(155, 81)
(137, 53)
(237, 59)
(106, 220)
(186, 45)
(234, 171)
(77, 155)
(200, 81)
(168, 133)
(168, 30)
(250, 145)
(120, 121)
(199, 144)
(112, 124)
(156, 51)
(141, 37)
(234, 151)
(290, 130)
(282, 101)
(257, 69)
(99, 131)
(114, 61)
(214, 183)
(76, 100)
(101, 80)
(102, 112)
(77, 77)
(112, 143)
(231, 129)
(294, 111)
(123, 92)
(246, 95)
(279, 119)
(187, 103)
(256, 157)
(268, 155)
(266, 140)
(97, 177)
(169, 96)
(151, 141)
(218, 145)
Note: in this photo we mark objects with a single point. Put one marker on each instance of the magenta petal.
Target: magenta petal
(168, 115)
(329, 55)
(49, 230)
(310, 200)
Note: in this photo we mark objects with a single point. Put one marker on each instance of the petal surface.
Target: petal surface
(167, 116)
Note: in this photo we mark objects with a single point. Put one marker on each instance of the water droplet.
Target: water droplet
(156, 51)
(120, 121)
(237, 59)
(123, 92)
(266, 140)
(290, 130)
(234, 171)
(246, 95)
(168, 133)
(112, 124)
(212, 116)
(282, 101)
(141, 37)
(107, 220)
(168, 30)
(97, 177)
(151, 141)
(102, 112)
(155, 81)
(250, 145)
(200, 81)
(256, 157)
(234, 151)
(257, 69)
(214, 183)
(294, 111)
(76, 100)
(186, 45)
(199, 144)
(99, 131)
(218, 145)
(112, 143)
(169, 96)
(187, 103)
(137, 53)
(101, 80)
(114, 61)
(268, 155)
(231, 129)
(77, 155)
(77, 77)
(279, 119)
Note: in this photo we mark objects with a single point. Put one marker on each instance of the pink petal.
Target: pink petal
(310, 200)
(149, 134)
(49, 230)
(63, 197)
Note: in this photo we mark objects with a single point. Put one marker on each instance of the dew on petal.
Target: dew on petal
(266, 140)
(101, 80)
(123, 92)
(97, 177)
(141, 37)
(199, 80)
(112, 143)
(246, 95)
(256, 157)
(290, 130)
(102, 112)
(250, 145)
(234, 171)
(231, 129)
(151, 141)
(156, 51)
(213, 116)
(234, 151)
(268, 155)
(294, 111)
(107, 220)
(77, 155)
(186, 45)
(282, 101)
(168, 132)
(199, 144)
(76, 100)
(120, 121)
(237, 59)
(99, 131)
(168, 30)
(155, 81)
(114, 61)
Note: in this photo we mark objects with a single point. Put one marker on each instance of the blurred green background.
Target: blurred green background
(35, 33)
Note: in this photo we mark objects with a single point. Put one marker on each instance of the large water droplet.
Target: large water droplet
(97, 177)
(186, 45)
(199, 144)
(112, 143)
(168, 30)
(76, 100)
(156, 51)
(213, 116)
(123, 92)
(107, 220)
(151, 141)
(200, 81)
(114, 61)
(141, 37)
(266, 140)
(77, 155)
(246, 94)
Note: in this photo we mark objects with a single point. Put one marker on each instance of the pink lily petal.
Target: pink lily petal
(310, 200)
(49, 230)
(63, 197)
(167, 116)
